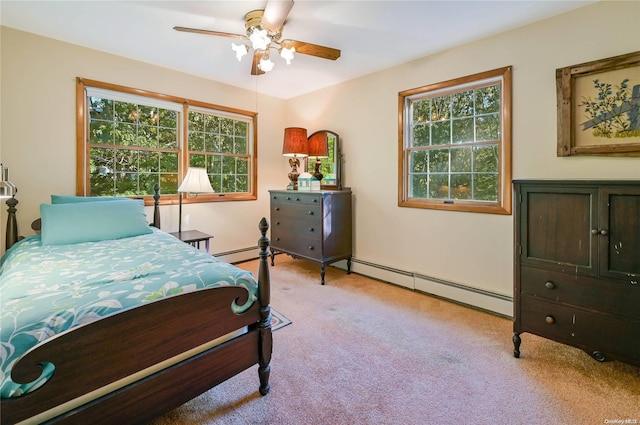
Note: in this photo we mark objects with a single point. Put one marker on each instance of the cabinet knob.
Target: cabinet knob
(594, 231)
(550, 320)
(599, 232)
(550, 285)
(604, 232)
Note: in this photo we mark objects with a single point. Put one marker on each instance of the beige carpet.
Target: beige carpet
(364, 352)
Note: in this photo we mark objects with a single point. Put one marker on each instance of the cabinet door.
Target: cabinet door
(619, 234)
(556, 226)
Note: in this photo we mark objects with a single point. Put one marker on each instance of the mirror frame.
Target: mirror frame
(336, 161)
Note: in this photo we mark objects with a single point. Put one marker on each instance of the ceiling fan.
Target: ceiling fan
(264, 31)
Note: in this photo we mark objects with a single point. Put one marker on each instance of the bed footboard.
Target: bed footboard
(91, 356)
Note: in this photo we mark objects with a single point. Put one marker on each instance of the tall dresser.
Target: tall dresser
(312, 225)
(577, 265)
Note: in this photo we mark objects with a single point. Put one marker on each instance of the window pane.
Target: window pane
(168, 162)
(461, 160)
(488, 127)
(485, 159)
(101, 133)
(421, 111)
(462, 104)
(419, 161)
(441, 133)
(488, 99)
(419, 186)
(421, 135)
(439, 186)
(440, 108)
(461, 186)
(439, 160)
(199, 161)
(101, 166)
(462, 130)
(486, 187)
(100, 109)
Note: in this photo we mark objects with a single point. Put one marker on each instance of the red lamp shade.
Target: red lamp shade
(318, 145)
(295, 142)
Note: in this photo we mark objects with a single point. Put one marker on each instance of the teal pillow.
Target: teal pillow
(67, 199)
(92, 221)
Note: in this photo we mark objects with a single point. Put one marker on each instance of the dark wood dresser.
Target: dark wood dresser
(577, 265)
(312, 225)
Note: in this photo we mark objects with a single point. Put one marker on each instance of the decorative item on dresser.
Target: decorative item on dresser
(313, 225)
(577, 265)
(295, 145)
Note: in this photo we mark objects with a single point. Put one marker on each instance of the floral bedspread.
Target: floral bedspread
(46, 290)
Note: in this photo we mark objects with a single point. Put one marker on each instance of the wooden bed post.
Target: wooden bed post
(156, 209)
(12, 224)
(264, 298)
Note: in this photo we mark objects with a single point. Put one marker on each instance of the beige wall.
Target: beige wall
(38, 133)
(38, 137)
(467, 248)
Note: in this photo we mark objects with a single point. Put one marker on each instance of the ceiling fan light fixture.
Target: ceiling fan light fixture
(287, 54)
(265, 63)
(259, 39)
(240, 50)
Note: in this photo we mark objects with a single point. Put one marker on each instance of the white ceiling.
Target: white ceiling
(372, 35)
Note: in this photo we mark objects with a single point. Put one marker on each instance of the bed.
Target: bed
(180, 329)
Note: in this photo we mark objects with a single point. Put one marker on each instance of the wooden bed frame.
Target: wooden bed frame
(86, 357)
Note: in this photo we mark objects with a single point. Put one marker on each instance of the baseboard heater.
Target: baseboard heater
(457, 292)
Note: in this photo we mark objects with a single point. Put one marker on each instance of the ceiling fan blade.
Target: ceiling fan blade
(255, 69)
(209, 32)
(312, 49)
(275, 13)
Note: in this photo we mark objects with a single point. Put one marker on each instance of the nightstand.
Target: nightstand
(193, 238)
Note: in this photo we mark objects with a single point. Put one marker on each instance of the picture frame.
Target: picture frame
(598, 107)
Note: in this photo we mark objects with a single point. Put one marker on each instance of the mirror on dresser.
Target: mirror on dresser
(330, 166)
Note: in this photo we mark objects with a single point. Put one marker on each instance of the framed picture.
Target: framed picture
(599, 107)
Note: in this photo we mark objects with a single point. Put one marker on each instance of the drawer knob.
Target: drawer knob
(277, 223)
(297, 199)
(599, 232)
(310, 212)
(277, 208)
(277, 239)
(310, 248)
(550, 320)
(311, 229)
(550, 285)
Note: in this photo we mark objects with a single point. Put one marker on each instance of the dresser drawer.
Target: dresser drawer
(297, 198)
(295, 211)
(580, 328)
(282, 226)
(308, 247)
(613, 297)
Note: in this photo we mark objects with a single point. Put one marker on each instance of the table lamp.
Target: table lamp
(196, 181)
(296, 146)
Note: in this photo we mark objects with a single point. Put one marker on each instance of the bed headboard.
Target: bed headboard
(12, 226)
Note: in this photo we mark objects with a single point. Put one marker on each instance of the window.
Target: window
(130, 140)
(455, 144)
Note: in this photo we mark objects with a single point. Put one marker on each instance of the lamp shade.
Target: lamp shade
(318, 145)
(295, 142)
(196, 181)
